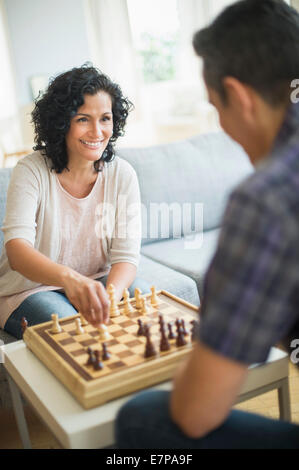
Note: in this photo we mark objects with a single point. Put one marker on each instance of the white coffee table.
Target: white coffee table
(74, 427)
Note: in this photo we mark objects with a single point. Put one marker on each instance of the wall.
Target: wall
(46, 37)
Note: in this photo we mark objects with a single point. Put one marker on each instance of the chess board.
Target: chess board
(127, 370)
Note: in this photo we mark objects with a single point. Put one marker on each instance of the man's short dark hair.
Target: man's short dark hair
(255, 41)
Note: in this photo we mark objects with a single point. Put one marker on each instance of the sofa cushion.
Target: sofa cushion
(201, 170)
(188, 255)
(167, 279)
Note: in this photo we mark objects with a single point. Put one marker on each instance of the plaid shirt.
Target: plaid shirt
(251, 292)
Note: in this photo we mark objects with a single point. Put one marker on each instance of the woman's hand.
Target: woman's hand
(88, 296)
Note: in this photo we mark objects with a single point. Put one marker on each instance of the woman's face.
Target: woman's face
(90, 129)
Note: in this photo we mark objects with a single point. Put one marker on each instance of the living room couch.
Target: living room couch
(184, 188)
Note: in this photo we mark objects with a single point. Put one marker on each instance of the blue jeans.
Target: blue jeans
(38, 308)
(144, 423)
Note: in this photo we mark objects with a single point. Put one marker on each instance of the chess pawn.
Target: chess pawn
(24, 324)
(149, 347)
(79, 329)
(56, 328)
(144, 307)
(105, 353)
(180, 341)
(91, 357)
(128, 309)
(164, 343)
(98, 365)
(141, 330)
(114, 311)
(84, 322)
(137, 293)
(103, 332)
(154, 298)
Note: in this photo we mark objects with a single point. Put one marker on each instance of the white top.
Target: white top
(34, 213)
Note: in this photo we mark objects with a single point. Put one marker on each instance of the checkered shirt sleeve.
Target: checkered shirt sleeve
(246, 304)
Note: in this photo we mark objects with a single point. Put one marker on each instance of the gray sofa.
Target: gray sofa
(184, 187)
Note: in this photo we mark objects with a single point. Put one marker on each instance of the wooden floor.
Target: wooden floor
(41, 438)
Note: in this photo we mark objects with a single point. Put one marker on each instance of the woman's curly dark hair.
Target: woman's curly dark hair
(55, 108)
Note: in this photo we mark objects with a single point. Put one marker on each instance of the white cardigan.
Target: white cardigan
(32, 213)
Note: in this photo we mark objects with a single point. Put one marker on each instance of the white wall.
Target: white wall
(46, 36)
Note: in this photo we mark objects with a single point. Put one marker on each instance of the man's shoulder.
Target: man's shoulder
(275, 186)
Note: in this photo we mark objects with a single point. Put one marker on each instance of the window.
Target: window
(155, 31)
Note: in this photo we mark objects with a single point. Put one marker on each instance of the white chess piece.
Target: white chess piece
(128, 309)
(154, 297)
(137, 293)
(84, 322)
(79, 329)
(114, 311)
(103, 331)
(56, 328)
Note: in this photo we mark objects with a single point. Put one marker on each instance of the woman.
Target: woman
(73, 208)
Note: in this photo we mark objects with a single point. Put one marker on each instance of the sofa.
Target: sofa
(184, 188)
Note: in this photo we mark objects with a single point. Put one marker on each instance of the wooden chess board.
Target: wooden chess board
(127, 370)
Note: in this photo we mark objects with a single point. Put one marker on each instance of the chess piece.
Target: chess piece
(98, 365)
(114, 311)
(144, 307)
(149, 347)
(161, 322)
(84, 322)
(128, 309)
(103, 333)
(180, 341)
(185, 332)
(177, 324)
(164, 343)
(171, 334)
(24, 324)
(56, 328)
(105, 354)
(154, 297)
(137, 293)
(91, 357)
(79, 329)
(194, 324)
(141, 331)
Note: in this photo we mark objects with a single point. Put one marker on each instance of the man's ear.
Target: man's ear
(239, 96)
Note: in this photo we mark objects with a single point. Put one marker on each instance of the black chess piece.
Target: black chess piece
(149, 347)
(98, 365)
(164, 343)
(91, 357)
(195, 325)
(185, 332)
(24, 324)
(171, 334)
(105, 353)
(140, 331)
(180, 341)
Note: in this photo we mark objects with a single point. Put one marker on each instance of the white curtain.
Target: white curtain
(111, 43)
(10, 132)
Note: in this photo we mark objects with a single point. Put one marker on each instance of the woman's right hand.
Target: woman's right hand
(88, 296)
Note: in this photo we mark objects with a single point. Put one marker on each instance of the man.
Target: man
(251, 299)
